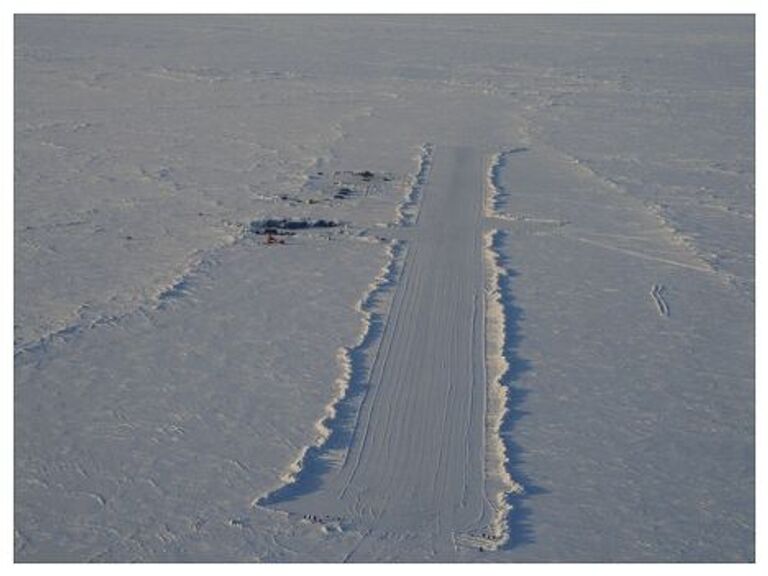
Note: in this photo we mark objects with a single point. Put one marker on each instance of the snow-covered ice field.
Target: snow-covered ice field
(381, 288)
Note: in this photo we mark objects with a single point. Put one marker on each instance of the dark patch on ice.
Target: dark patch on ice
(346, 184)
(278, 225)
(240, 522)
(164, 173)
(344, 193)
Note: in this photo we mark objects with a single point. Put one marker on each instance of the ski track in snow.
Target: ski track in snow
(658, 299)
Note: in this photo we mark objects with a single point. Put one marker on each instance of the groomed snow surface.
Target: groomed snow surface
(328, 289)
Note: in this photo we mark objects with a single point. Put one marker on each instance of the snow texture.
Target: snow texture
(384, 288)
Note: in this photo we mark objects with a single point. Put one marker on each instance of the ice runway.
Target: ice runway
(504, 250)
(415, 466)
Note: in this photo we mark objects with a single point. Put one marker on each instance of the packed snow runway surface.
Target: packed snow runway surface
(384, 289)
(413, 475)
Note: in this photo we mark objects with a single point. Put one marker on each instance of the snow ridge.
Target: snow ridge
(494, 187)
(498, 478)
(158, 298)
(407, 210)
